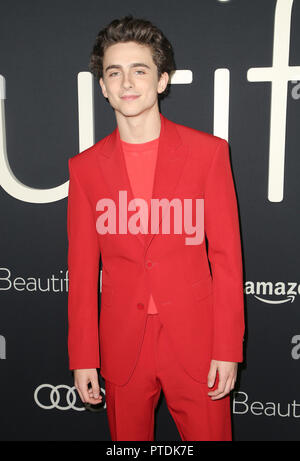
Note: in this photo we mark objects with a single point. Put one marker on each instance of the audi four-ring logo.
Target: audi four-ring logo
(55, 397)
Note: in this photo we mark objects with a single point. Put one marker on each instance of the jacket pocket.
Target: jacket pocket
(202, 288)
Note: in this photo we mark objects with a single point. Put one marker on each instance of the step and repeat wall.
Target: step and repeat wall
(238, 77)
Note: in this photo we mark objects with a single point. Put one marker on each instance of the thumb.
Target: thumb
(211, 377)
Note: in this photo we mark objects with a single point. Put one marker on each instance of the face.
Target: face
(129, 70)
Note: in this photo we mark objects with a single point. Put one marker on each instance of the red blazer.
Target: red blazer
(198, 292)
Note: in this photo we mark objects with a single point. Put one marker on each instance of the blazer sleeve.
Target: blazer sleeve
(83, 267)
(224, 252)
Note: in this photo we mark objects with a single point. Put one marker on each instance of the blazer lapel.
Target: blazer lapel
(169, 166)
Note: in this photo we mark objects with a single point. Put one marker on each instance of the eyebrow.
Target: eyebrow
(135, 64)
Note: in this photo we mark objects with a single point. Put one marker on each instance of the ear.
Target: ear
(163, 82)
(102, 85)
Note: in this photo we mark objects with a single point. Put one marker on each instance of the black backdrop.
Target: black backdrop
(43, 48)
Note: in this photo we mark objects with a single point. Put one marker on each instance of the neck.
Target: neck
(140, 128)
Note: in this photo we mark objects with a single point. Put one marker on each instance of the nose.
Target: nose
(126, 83)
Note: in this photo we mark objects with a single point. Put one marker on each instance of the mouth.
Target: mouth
(129, 97)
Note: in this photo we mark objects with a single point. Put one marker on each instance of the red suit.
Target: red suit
(201, 310)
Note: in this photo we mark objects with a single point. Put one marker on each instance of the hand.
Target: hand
(227, 377)
(81, 380)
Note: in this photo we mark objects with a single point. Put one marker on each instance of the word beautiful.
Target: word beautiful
(138, 222)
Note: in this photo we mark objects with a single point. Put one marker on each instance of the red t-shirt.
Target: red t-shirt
(140, 161)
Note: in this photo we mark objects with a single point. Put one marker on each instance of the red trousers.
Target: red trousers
(130, 408)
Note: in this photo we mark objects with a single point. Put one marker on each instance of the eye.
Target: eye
(141, 71)
(113, 73)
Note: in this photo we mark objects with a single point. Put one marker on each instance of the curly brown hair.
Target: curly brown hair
(139, 30)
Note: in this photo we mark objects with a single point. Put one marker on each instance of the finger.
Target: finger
(211, 377)
(220, 388)
(232, 384)
(225, 392)
(92, 400)
(83, 387)
(86, 394)
(95, 388)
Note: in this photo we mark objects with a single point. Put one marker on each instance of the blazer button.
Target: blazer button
(140, 306)
(148, 264)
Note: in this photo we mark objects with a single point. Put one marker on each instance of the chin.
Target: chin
(132, 112)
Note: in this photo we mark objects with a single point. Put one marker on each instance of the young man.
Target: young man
(168, 319)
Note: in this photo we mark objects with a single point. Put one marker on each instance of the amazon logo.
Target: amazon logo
(273, 292)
